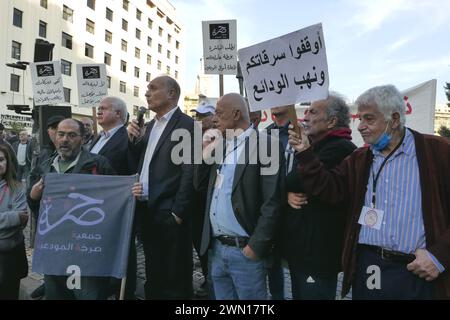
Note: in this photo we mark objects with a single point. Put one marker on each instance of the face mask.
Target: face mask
(383, 141)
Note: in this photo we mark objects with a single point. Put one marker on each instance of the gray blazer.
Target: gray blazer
(256, 197)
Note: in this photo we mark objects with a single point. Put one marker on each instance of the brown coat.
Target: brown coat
(348, 183)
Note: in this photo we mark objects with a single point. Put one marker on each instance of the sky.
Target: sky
(368, 43)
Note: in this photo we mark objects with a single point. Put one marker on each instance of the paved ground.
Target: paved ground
(33, 280)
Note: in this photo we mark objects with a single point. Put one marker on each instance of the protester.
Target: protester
(243, 204)
(255, 118)
(396, 192)
(312, 230)
(24, 154)
(168, 194)
(70, 158)
(89, 136)
(13, 218)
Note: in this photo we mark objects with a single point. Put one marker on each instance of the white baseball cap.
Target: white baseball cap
(205, 108)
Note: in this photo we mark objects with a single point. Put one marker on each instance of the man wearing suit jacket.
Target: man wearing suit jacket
(112, 143)
(168, 194)
(243, 202)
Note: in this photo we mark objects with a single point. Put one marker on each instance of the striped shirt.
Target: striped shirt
(399, 195)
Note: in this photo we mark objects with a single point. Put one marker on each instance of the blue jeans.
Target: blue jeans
(235, 276)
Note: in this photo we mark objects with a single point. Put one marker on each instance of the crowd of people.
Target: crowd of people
(380, 213)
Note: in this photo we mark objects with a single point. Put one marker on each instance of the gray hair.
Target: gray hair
(337, 107)
(118, 104)
(387, 99)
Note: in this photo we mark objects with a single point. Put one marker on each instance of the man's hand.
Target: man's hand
(134, 131)
(23, 216)
(211, 138)
(423, 266)
(297, 200)
(137, 189)
(249, 253)
(36, 190)
(300, 141)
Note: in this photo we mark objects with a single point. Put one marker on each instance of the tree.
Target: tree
(444, 132)
(447, 92)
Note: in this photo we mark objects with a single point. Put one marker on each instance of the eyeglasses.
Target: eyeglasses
(70, 135)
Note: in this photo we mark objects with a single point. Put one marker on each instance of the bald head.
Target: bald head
(231, 113)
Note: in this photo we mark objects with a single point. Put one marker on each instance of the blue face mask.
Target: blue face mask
(383, 141)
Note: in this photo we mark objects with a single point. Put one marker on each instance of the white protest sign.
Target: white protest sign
(92, 84)
(219, 46)
(47, 83)
(420, 102)
(286, 70)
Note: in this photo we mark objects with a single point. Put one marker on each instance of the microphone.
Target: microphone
(140, 120)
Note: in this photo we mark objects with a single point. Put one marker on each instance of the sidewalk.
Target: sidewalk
(34, 280)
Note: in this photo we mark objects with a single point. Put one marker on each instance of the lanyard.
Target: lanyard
(375, 180)
(225, 155)
(4, 191)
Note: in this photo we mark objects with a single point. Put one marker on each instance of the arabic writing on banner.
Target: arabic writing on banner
(286, 70)
(92, 84)
(219, 47)
(47, 83)
(84, 220)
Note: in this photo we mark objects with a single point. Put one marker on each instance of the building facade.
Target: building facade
(136, 39)
(441, 117)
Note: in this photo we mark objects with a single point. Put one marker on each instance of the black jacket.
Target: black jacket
(312, 237)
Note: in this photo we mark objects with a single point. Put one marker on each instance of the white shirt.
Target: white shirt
(104, 138)
(158, 128)
(22, 154)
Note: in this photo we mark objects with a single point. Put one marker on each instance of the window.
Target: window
(125, 4)
(136, 72)
(91, 4)
(136, 91)
(108, 36)
(14, 83)
(124, 45)
(42, 29)
(44, 4)
(124, 24)
(150, 23)
(169, 38)
(159, 48)
(176, 59)
(67, 94)
(66, 40)
(108, 81)
(137, 53)
(177, 45)
(123, 66)
(159, 65)
(17, 18)
(90, 26)
(168, 70)
(138, 33)
(160, 13)
(88, 50)
(123, 87)
(107, 59)
(176, 74)
(109, 14)
(16, 48)
(150, 4)
(160, 31)
(138, 14)
(168, 54)
(66, 67)
(67, 14)
(149, 59)
(147, 77)
(149, 41)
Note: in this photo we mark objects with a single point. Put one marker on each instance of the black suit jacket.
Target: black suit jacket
(256, 196)
(28, 152)
(116, 151)
(170, 184)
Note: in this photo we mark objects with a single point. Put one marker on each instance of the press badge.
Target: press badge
(371, 217)
(219, 180)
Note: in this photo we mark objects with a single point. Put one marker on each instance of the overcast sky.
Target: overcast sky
(368, 42)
